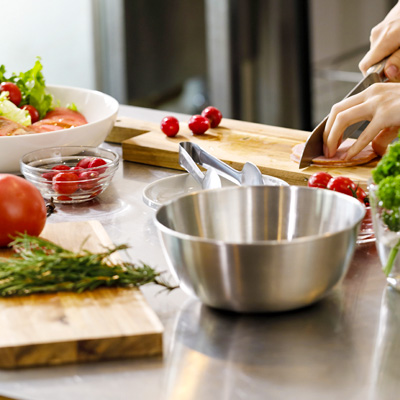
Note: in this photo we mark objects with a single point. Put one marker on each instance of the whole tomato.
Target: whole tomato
(22, 208)
(170, 126)
(33, 112)
(361, 195)
(198, 124)
(65, 183)
(342, 184)
(13, 92)
(319, 180)
(213, 115)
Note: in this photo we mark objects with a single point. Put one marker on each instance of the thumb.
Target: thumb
(392, 68)
(384, 138)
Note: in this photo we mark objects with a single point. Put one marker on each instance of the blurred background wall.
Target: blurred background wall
(279, 62)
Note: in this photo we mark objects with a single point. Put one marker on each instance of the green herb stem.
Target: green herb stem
(41, 266)
(391, 259)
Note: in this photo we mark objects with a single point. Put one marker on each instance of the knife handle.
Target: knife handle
(378, 68)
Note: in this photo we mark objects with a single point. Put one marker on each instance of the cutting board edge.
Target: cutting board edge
(81, 351)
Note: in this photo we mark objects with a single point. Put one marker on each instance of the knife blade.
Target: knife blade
(314, 144)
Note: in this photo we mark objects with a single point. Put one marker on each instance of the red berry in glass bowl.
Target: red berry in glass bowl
(97, 162)
(213, 115)
(198, 124)
(170, 126)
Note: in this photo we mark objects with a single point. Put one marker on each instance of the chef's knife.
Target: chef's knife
(314, 144)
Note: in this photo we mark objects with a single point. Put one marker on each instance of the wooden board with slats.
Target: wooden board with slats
(234, 142)
(48, 329)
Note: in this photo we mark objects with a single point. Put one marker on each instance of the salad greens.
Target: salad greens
(387, 176)
(32, 86)
(11, 111)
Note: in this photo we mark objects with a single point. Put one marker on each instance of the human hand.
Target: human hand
(379, 104)
(385, 42)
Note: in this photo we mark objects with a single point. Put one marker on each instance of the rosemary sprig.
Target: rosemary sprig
(40, 266)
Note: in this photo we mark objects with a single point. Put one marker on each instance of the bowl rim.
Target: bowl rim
(185, 236)
(113, 164)
(105, 116)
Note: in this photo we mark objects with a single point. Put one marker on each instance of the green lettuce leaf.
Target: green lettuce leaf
(11, 111)
(32, 86)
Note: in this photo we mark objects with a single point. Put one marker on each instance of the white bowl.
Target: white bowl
(99, 109)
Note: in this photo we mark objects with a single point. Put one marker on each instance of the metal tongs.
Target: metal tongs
(250, 175)
(209, 180)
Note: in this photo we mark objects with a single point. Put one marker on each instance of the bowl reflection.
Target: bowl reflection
(222, 355)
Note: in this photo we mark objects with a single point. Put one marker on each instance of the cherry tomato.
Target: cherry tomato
(342, 184)
(361, 195)
(61, 167)
(170, 126)
(65, 183)
(84, 162)
(33, 112)
(213, 115)
(319, 180)
(88, 179)
(49, 175)
(22, 208)
(97, 162)
(198, 124)
(14, 94)
(76, 170)
(64, 198)
(96, 193)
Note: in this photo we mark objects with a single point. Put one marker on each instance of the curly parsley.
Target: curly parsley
(387, 176)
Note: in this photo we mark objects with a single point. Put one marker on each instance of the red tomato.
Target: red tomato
(65, 183)
(61, 167)
(14, 94)
(22, 208)
(97, 162)
(76, 170)
(84, 162)
(361, 195)
(342, 184)
(88, 179)
(198, 124)
(170, 126)
(49, 175)
(32, 111)
(319, 180)
(213, 115)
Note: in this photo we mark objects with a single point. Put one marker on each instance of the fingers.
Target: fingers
(383, 139)
(385, 40)
(343, 115)
(392, 68)
(365, 138)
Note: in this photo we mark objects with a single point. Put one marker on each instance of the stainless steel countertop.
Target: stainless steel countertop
(344, 347)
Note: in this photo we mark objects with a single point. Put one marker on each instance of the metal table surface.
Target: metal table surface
(344, 347)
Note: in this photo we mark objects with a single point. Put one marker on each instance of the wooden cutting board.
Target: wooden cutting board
(47, 329)
(234, 142)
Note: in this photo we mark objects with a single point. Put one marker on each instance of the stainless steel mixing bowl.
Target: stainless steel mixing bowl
(260, 248)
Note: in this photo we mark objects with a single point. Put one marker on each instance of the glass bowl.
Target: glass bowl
(366, 234)
(70, 174)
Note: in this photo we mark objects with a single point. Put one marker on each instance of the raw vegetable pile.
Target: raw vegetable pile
(387, 176)
(210, 118)
(24, 90)
(341, 184)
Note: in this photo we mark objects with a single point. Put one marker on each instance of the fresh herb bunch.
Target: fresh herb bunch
(40, 266)
(387, 176)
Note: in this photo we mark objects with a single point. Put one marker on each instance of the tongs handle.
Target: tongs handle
(206, 160)
(186, 161)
